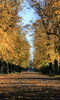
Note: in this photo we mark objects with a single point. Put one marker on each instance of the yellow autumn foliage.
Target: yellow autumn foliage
(47, 32)
(13, 46)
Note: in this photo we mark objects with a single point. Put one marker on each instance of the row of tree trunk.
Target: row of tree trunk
(6, 68)
(54, 68)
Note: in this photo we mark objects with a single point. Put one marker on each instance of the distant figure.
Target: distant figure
(50, 69)
(50, 66)
(30, 68)
(31, 63)
(56, 65)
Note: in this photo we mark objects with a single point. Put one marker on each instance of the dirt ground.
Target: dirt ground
(29, 86)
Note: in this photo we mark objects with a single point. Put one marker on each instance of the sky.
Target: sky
(29, 16)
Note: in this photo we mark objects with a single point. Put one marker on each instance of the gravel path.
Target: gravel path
(29, 86)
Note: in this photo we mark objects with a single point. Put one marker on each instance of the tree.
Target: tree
(12, 42)
(48, 12)
(47, 32)
(40, 45)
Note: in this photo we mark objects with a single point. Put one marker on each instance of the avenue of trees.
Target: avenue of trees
(13, 47)
(47, 31)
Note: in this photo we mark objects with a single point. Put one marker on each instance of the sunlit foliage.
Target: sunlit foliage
(47, 31)
(13, 46)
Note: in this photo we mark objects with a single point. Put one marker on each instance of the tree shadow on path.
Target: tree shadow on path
(26, 93)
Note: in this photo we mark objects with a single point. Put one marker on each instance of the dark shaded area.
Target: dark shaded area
(6, 68)
(29, 88)
(51, 69)
(56, 65)
(26, 93)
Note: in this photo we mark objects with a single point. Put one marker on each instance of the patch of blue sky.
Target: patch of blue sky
(32, 53)
(29, 16)
(30, 39)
